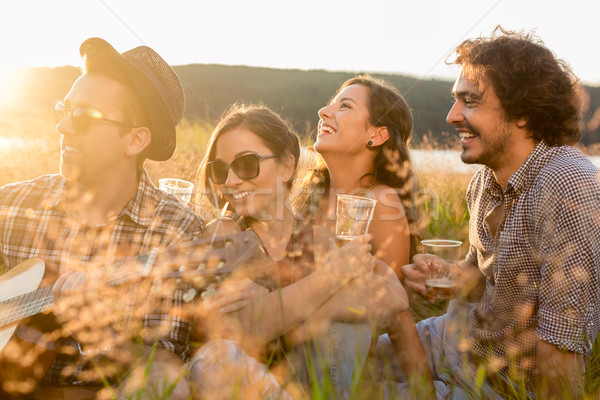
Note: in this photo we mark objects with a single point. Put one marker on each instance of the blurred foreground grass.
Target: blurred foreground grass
(29, 147)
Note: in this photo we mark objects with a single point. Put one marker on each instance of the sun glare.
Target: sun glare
(8, 78)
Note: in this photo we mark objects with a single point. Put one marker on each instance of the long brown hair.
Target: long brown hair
(392, 164)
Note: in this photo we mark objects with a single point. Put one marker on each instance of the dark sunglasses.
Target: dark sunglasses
(245, 167)
(81, 117)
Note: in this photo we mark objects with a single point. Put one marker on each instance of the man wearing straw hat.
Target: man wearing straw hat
(102, 208)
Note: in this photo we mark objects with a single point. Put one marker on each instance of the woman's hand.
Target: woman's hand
(233, 296)
(351, 260)
(220, 226)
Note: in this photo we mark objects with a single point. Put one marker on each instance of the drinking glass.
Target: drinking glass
(438, 279)
(353, 216)
(181, 189)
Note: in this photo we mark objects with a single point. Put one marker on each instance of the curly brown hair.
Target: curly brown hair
(529, 80)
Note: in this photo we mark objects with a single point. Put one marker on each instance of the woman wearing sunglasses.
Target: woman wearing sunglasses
(363, 141)
(249, 166)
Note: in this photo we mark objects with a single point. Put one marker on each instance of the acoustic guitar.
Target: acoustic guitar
(199, 262)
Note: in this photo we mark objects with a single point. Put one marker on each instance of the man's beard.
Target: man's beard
(493, 148)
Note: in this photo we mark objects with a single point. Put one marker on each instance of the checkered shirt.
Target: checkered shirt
(542, 268)
(35, 222)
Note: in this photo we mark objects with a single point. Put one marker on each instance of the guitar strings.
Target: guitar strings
(36, 301)
(33, 307)
(11, 313)
(31, 303)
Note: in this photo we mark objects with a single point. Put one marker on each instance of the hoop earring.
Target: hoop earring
(369, 143)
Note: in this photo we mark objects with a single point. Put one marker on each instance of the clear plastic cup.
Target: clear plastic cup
(181, 189)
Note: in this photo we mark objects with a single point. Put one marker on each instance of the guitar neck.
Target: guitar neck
(40, 300)
(25, 305)
(230, 250)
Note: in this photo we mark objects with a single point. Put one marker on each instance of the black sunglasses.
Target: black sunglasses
(81, 117)
(245, 167)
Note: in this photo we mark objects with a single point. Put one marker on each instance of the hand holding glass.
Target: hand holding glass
(438, 278)
(353, 216)
(178, 187)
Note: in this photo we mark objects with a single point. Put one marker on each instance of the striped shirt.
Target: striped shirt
(36, 222)
(542, 268)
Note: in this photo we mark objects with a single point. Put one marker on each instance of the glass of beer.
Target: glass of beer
(353, 216)
(440, 253)
(181, 189)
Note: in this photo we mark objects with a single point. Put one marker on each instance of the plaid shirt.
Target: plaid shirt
(35, 222)
(542, 268)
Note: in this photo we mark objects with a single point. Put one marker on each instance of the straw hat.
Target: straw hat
(156, 84)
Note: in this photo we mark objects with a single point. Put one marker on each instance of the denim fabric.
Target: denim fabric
(222, 370)
(446, 343)
(334, 358)
(350, 346)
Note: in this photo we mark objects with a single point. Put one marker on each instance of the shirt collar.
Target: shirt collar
(55, 195)
(140, 208)
(528, 169)
(491, 185)
(521, 178)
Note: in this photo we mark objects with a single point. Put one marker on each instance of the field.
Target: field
(30, 147)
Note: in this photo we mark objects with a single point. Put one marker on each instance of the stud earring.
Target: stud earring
(370, 143)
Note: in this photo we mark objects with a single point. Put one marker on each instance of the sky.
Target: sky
(406, 37)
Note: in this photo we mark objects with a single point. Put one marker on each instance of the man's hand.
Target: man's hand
(415, 273)
(559, 373)
(466, 275)
(69, 283)
(87, 311)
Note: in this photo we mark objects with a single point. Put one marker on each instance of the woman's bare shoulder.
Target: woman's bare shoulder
(380, 190)
(386, 195)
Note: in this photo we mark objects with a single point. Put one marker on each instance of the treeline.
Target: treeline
(295, 94)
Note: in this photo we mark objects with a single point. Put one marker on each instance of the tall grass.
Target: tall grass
(31, 148)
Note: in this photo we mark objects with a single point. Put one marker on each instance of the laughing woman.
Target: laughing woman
(249, 167)
(363, 140)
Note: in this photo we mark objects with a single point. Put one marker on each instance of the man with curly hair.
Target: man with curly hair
(534, 256)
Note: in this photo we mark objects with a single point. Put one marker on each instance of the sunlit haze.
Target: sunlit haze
(408, 37)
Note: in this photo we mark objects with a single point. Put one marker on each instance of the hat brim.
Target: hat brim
(160, 121)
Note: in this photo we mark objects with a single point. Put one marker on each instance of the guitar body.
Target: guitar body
(23, 278)
(26, 355)
(23, 360)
